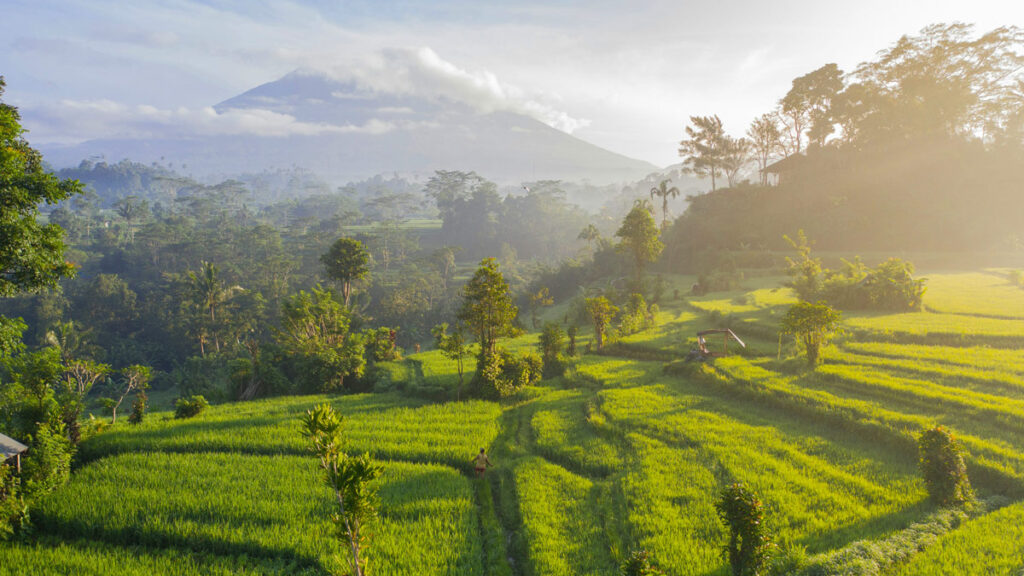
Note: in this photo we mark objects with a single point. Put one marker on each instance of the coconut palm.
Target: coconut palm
(664, 192)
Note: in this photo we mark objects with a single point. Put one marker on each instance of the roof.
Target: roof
(785, 164)
(9, 447)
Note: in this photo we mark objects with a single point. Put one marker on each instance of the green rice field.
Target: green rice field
(629, 450)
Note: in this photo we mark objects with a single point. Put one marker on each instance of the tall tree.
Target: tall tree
(943, 81)
(346, 261)
(487, 307)
(765, 140)
(663, 191)
(735, 155)
(703, 148)
(639, 236)
(209, 294)
(601, 311)
(807, 106)
(31, 253)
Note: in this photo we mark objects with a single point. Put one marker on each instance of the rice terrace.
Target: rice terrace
(531, 289)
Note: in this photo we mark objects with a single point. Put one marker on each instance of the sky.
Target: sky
(623, 75)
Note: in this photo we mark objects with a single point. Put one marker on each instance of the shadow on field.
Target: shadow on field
(871, 529)
(282, 558)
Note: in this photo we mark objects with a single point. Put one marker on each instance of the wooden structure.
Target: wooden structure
(11, 448)
(702, 352)
(781, 169)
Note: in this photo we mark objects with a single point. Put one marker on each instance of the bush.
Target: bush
(13, 511)
(47, 464)
(138, 408)
(749, 546)
(189, 407)
(503, 374)
(552, 341)
(637, 315)
(942, 466)
(639, 564)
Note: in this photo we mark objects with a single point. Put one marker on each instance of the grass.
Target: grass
(619, 454)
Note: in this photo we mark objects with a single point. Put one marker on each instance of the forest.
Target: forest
(181, 359)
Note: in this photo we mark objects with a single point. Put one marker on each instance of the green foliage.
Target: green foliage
(382, 343)
(487, 307)
(346, 261)
(138, 408)
(942, 466)
(13, 511)
(350, 478)
(454, 348)
(32, 253)
(749, 547)
(804, 270)
(190, 407)
(638, 563)
(315, 328)
(639, 235)
(47, 465)
(505, 373)
(551, 343)
(813, 325)
(637, 315)
(601, 312)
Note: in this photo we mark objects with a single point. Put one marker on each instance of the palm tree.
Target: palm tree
(208, 292)
(664, 192)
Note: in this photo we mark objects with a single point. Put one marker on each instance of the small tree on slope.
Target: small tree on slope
(351, 478)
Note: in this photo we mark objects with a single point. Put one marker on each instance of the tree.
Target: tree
(207, 291)
(804, 270)
(749, 546)
(639, 236)
(487, 307)
(940, 82)
(765, 140)
(31, 253)
(315, 327)
(454, 347)
(346, 261)
(135, 377)
(79, 377)
(704, 147)
(131, 209)
(807, 106)
(812, 324)
(350, 478)
(942, 466)
(601, 311)
(735, 155)
(551, 342)
(541, 299)
(664, 192)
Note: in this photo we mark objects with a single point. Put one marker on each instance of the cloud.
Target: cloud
(81, 120)
(421, 72)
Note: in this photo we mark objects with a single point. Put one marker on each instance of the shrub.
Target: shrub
(13, 511)
(502, 374)
(47, 464)
(749, 546)
(637, 316)
(189, 407)
(639, 564)
(138, 408)
(552, 341)
(942, 466)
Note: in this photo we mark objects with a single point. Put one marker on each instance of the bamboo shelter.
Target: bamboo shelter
(11, 449)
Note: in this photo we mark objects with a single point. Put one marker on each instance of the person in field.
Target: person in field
(481, 463)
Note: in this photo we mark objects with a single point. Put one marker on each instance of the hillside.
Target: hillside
(351, 134)
(630, 450)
